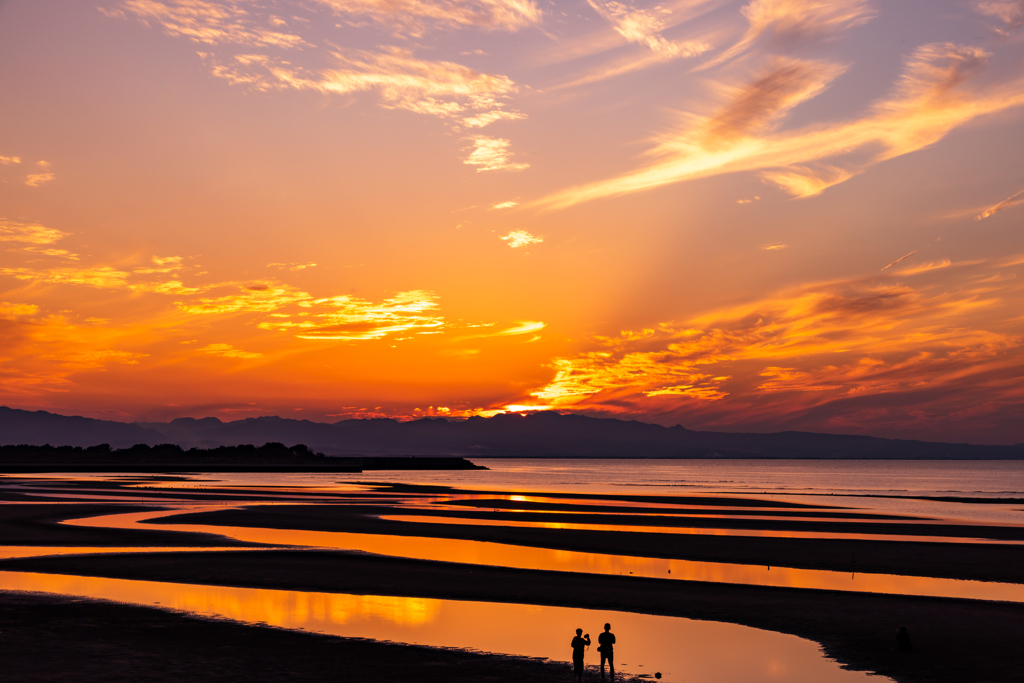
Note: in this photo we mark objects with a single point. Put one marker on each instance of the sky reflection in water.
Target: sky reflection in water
(682, 649)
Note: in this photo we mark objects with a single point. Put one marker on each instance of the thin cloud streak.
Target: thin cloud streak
(901, 258)
(796, 21)
(416, 16)
(930, 100)
(1012, 200)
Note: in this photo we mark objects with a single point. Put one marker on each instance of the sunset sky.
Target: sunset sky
(758, 215)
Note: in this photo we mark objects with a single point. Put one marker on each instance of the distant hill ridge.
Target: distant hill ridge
(546, 434)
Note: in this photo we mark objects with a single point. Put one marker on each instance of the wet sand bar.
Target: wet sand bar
(956, 641)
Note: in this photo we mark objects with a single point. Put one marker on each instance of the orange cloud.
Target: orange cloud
(521, 238)
(37, 179)
(1010, 12)
(228, 351)
(809, 347)
(1012, 200)
(797, 21)
(349, 318)
(931, 99)
(645, 27)
(212, 23)
(416, 16)
(492, 154)
(31, 233)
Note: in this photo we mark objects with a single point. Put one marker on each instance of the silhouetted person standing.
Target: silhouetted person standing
(903, 643)
(578, 648)
(606, 646)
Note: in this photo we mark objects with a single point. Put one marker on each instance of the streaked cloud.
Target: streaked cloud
(161, 264)
(31, 233)
(788, 22)
(492, 154)
(9, 310)
(292, 266)
(1012, 200)
(529, 327)
(212, 23)
(103, 277)
(260, 296)
(644, 27)
(416, 16)
(401, 80)
(521, 238)
(9, 160)
(931, 99)
(250, 47)
(901, 258)
(37, 179)
(349, 318)
(775, 247)
(229, 351)
(1009, 12)
(505, 205)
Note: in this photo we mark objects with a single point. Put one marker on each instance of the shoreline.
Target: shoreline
(854, 629)
(51, 638)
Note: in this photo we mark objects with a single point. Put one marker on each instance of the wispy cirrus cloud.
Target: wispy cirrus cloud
(416, 16)
(900, 259)
(644, 27)
(39, 179)
(788, 22)
(492, 154)
(103, 277)
(932, 98)
(1009, 12)
(229, 351)
(248, 297)
(209, 22)
(349, 318)
(250, 47)
(402, 81)
(31, 233)
(1012, 200)
(521, 238)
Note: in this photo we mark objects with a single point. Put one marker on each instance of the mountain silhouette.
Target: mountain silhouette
(545, 434)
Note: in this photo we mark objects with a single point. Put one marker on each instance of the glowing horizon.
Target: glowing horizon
(755, 214)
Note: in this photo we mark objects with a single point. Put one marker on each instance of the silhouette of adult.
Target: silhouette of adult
(578, 648)
(606, 646)
(903, 643)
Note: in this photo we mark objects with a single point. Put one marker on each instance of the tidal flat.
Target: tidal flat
(954, 639)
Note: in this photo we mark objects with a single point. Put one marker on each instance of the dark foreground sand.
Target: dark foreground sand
(46, 638)
(956, 641)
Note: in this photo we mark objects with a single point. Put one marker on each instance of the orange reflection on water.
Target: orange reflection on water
(682, 649)
(9, 552)
(524, 557)
(692, 531)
